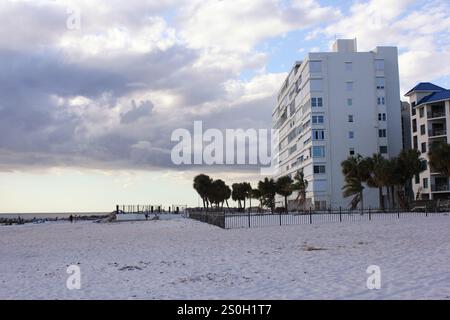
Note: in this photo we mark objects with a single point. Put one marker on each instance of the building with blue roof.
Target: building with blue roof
(430, 123)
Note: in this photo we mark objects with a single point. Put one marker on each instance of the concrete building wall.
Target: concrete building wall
(346, 82)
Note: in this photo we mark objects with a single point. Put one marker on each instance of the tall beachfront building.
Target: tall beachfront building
(333, 105)
(430, 120)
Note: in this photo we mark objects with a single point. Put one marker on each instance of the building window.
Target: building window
(424, 147)
(352, 151)
(350, 118)
(318, 152)
(292, 108)
(422, 112)
(414, 125)
(415, 143)
(349, 86)
(383, 149)
(318, 134)
(315, 66)
(292, 149)
(417, 179)
(316, 102)
(425, 183)
(422, 129)
(348, 66)
(317, 119)
(381, 101)
(351, 134)
(319, 102)
(382, 133)
(319, 169)
(382, 117)
(380, 83)
(349, 102)
(379, 65)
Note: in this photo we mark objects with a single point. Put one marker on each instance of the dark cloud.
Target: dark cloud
(144, 109)
(41, 125)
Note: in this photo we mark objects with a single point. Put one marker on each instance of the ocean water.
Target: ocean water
(53, 215)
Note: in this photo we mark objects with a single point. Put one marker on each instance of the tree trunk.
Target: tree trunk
(393, 196)
(286, 204)
(388, 198)
(362, 201)
(380, 195)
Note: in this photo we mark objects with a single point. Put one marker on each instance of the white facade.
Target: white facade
(332, 105)
(430, 120)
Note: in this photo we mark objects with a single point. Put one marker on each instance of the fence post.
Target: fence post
(310, 216)
(426, 211)
(340, 214)
(398, 212)
(249, 219)
(370, 215)
(117, 209)
(280, 217)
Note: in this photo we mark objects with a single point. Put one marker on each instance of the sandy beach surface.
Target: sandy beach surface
(186, 259)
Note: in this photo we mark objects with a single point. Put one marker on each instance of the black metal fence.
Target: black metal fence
(145, 209)
(234, 220)
(214, 218)
(150, 209)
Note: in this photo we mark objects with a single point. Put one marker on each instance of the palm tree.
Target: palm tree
(284, 189)
(439, 156)
(378, 175)
(246, 191)
(393, 179)
(268, 189)
(300, 185)
(202, 184)
(226, 195)
(409, 164)
(354, 187)
(356, 171)
(256, 194)
(219, 192)
(238, 193)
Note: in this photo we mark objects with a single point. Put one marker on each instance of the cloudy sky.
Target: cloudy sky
(91, 90)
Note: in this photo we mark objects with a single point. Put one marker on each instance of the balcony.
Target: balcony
(440, 184)
(440, 187)
(436, 110)
(437, 132)
(436, 114)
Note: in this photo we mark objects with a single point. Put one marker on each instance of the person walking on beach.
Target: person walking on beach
(71, 218)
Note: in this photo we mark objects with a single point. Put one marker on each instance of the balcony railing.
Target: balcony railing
(437, 132)
(436, 114)
(439, 187)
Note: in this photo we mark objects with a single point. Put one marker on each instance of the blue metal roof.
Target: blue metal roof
(425, 86)
(436, 96)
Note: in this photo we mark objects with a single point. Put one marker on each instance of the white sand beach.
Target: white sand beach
(186, 259)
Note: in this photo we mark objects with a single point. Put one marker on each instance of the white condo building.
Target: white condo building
(430, 120)
(333, 105)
